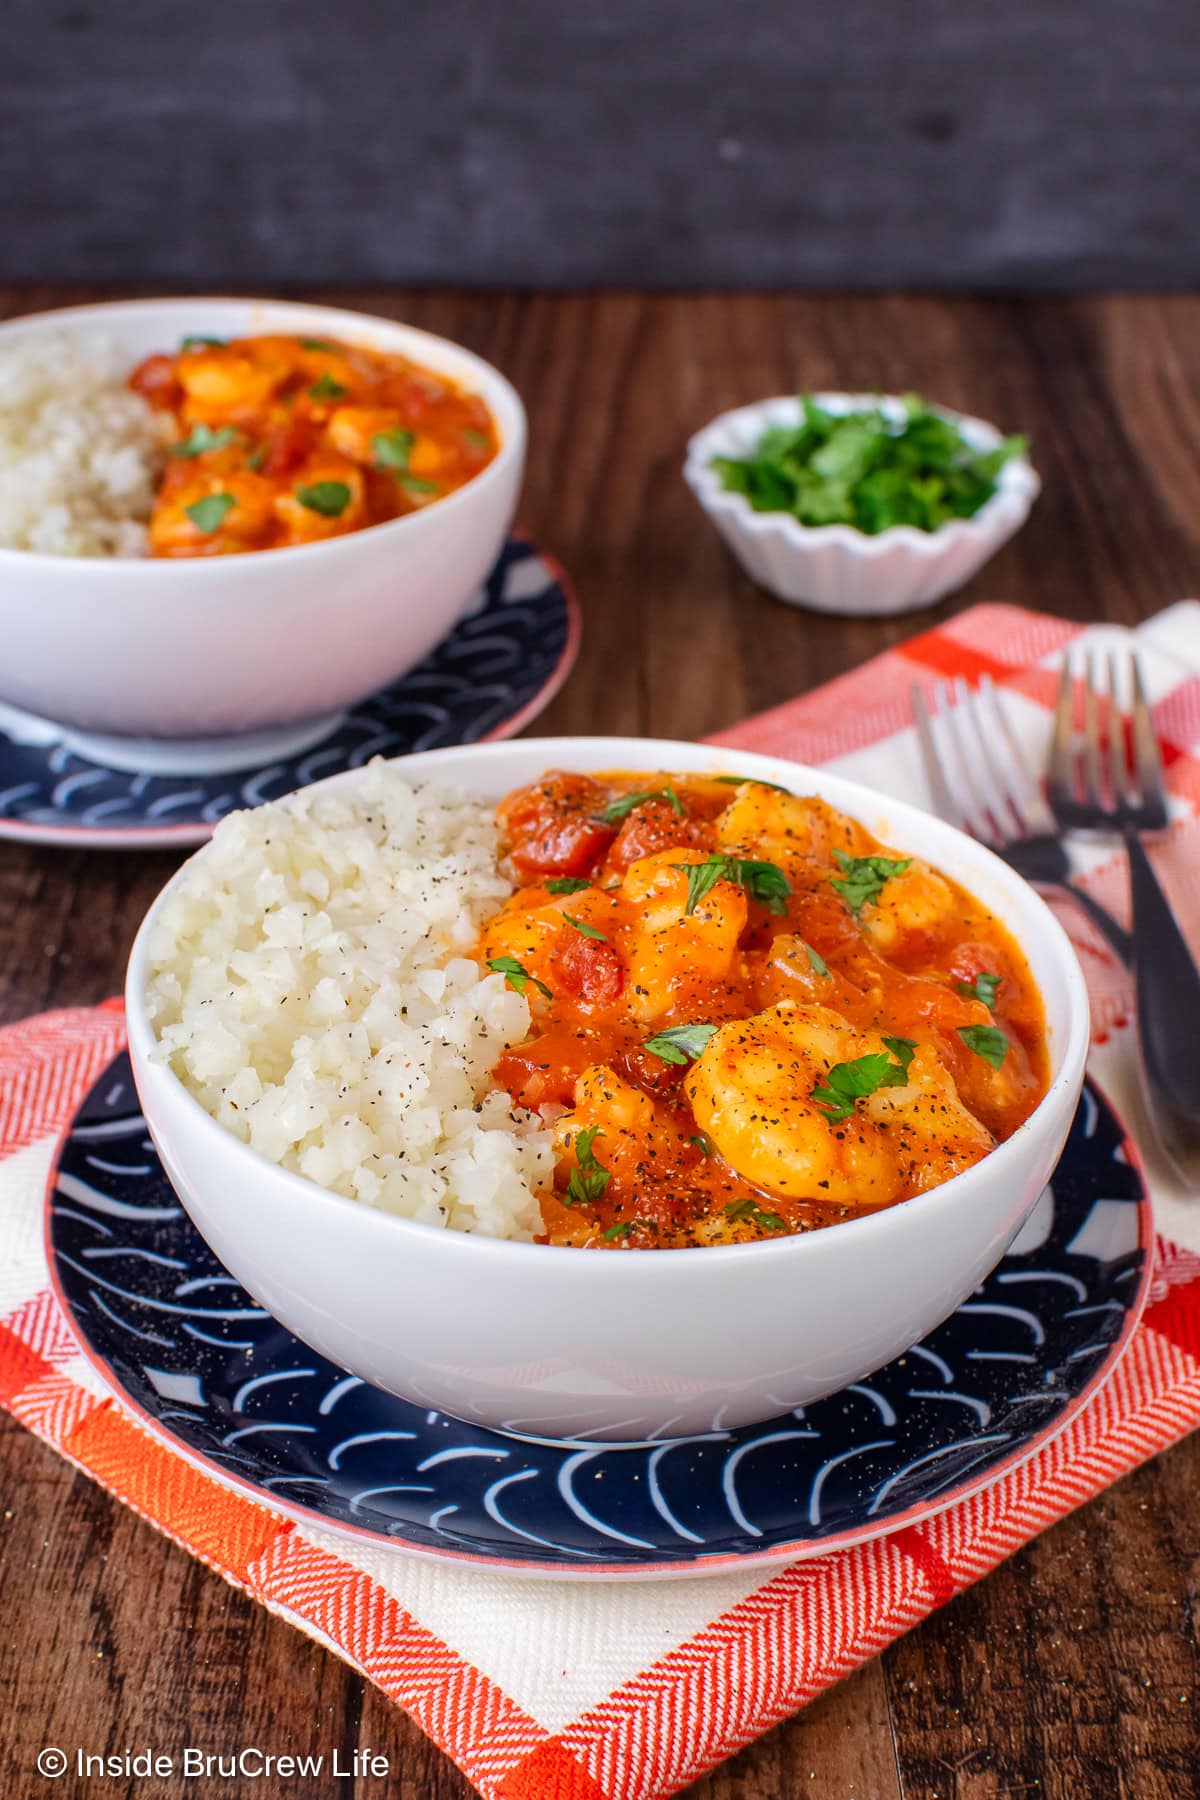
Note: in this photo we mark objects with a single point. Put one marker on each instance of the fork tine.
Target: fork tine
(943, 800)
(1024, 796)
(1093, 759)
(995, 787)
(1060, 768)
(982, 822)
(1147, 760)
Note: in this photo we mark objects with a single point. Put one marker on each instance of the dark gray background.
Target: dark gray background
(1038, 143)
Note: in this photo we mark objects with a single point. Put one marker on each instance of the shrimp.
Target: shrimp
(668, 948)
(910, 909)
(751, 1091)
(788, 827)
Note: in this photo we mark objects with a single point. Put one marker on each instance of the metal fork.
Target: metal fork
(982, 784)
(1108, 778)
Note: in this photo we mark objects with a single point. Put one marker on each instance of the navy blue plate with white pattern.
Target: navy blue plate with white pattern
(502, 663)
(177, 1338)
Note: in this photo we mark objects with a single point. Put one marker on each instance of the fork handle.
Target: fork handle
(1167, 985)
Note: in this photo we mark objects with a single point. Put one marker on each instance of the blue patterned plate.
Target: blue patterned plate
(203, 1365)
(503, 662)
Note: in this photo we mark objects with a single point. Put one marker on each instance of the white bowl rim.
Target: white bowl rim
(202, 568)
(879, 1222)
(1017, 485)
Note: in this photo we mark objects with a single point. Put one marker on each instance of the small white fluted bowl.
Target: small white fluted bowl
(834, 568)
(563, 1342)
(144, 647)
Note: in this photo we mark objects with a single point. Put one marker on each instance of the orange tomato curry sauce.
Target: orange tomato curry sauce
(749, 1018)
(287, 440)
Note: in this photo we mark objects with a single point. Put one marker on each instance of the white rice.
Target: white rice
(308, 985)
(80, 453)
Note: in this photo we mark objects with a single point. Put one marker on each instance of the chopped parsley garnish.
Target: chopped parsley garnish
(679, 1043)
(849, 1082)
(747, 1209)
(763, 881)
(326, 388)
(392, 449)
(588, 931)
(314, 344)
(863, 877)
(190, 343)
(257, 457)
(589, 1178)
(417, 484)
(703, 1143)
(982, 988)
(203, 438)
(867, 468)
(987, 1041)
(621, 1230)
(567, 884)
(816, 962)
(329, 498)
(751, 781)
(616, 810)
(517, 975)
(207, 514)
(479, 440)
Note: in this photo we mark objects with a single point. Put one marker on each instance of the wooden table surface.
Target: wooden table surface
(1070, 1673)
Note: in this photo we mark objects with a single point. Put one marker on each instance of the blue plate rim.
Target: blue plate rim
(714, 1563)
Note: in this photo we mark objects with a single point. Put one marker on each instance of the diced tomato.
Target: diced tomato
(155, 380)
(544, 1071)
(584, 967)
(289, 444)
(553, 826)
(654, 826)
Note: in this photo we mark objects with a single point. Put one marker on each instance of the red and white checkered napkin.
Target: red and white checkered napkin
(626, 1691)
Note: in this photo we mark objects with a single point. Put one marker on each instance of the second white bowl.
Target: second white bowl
(834, 568)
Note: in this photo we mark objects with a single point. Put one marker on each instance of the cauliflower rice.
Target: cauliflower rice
(309, 985)
(80, 452)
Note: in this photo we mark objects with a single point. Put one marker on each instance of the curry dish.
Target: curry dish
(749, 1017)
(288, 440)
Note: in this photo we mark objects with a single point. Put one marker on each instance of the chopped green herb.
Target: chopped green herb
(202, 438)
(207, 514)
(864, 876)
(621, 1230)
(257, 457)
(417, 484)
(479, 439)
(517, 974)
(567, 884)
(848, 1082)
(326, 388)
(315, 344)
(703, 1143)
(679, 1043)
(329, 498)
(816, 962)
(982, 988)
(747, 1209)
(751, 781)
(987, 1041)
(190, 343)
(763, 881)
(867, 468)
(616, 810)
(588, 1180)
(588, 931)
(392, 449)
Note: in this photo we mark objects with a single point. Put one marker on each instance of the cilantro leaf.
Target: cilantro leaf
(392, 449)
(417, 484)
(619, 809)
(751, 781)
(190, 343)
(763, 881)
(982, 988)
(315, 344)
(326, 388)
(621, 1230)
(817, 963)
(203, 438)
(257, 457)
(207, 514)
(748, 1209)
(863, 877)
(517, 974)
(588, 1180)
(987, 1041)
(703, 1143)
(588, 931)
(848, 1082)
(567, 884)
(329, 498)
(679, 1043)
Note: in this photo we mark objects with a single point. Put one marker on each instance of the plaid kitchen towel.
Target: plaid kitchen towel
(554, 1690)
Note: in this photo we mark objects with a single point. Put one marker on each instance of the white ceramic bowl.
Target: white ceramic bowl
(833, 568)
(563, 1342)
(142, 647)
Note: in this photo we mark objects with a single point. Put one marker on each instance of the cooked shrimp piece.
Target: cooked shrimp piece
(632, 1141)
(352, 431)
(752, 1092)
(792, 825)
(669, 948)
(911, 907)
(218, 383)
